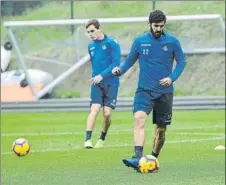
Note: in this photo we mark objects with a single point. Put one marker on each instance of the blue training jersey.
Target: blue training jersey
(105, 55)
(156, 58)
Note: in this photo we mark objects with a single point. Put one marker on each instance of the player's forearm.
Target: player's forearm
(124, 67)
(177, 71)
(128, 63)
(115, 57)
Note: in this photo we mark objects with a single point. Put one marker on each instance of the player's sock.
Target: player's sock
(138, 151)
(88, 134)
(103, 135)
(154, 154)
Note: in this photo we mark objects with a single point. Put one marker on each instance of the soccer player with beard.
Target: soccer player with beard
(156, 51)
(105, 54)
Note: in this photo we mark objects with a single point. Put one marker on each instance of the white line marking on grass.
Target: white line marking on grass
(122, 145)
(110, 133)
(59, 133)
(45, 119)
(198, 133)
(196, 140)
(42, 134)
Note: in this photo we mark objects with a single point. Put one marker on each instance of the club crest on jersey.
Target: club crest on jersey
(165, 48)
(104, 47)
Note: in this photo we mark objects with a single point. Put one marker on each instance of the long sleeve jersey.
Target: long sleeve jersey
(105, 55)
(156, 58)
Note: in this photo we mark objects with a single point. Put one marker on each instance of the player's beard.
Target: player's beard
(156, 34)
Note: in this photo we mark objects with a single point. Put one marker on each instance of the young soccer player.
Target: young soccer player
(156, 51)
(105, 54)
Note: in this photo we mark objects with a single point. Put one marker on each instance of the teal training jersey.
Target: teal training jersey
(105, 55)
(156, 58)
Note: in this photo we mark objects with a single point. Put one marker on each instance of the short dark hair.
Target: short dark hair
(157, 16)
(93, 22)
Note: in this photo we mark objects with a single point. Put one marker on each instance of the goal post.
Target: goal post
(84, 59)
(108, 20)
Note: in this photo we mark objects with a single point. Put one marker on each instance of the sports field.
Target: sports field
(57, 156)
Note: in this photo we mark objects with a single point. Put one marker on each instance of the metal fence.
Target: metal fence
(123, 104)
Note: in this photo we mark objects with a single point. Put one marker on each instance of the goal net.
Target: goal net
(59, 47)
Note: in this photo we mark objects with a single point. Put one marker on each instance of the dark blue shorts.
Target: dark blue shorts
(145, 100)
(104, 94)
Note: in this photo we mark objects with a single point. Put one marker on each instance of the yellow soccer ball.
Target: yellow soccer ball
(21, 147)
(148, 164)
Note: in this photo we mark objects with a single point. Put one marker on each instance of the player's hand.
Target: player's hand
(116, 71)
(165, 81)
(95, 80)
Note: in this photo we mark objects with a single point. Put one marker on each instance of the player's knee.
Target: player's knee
(140, 118)
(95, 110)
(107, 114)
(140, 115)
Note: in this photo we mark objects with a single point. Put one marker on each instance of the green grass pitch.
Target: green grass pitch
(57, 156)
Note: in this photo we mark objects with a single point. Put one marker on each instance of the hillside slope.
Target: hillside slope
(204, 74)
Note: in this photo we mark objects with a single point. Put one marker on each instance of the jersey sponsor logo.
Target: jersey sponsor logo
(165, 48)
(92, 53)
(104, 47)
(145, 44)
(92, 48)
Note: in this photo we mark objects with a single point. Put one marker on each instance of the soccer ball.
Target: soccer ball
(148, 164)
(21, 147)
